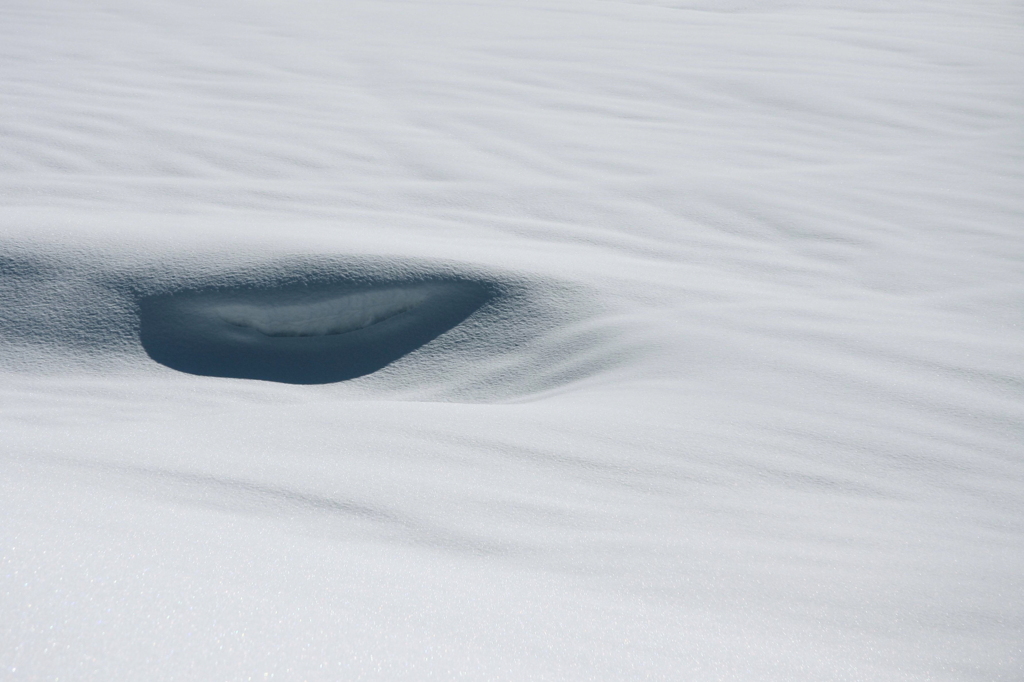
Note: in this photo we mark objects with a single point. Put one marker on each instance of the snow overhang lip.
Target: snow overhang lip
(326, 316)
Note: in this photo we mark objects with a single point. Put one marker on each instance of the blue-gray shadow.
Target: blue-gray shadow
(301, 334)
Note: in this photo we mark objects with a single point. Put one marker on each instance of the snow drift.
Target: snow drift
(440, 329)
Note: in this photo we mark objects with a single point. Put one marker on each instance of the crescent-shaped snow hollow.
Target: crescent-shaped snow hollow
(298, 335)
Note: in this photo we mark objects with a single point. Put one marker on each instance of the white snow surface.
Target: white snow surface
(750, 405)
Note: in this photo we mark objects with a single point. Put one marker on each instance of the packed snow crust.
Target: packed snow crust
(637, 340)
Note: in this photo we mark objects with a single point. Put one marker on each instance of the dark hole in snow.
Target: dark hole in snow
(301, 335)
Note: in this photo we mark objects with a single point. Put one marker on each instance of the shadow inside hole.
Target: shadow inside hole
(307, 335)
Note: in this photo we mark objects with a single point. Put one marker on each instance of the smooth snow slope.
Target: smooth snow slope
(745, 400)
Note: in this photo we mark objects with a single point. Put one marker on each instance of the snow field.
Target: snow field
(745, 403)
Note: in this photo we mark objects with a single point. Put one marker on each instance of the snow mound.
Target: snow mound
(405, 328)
(298, 336)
